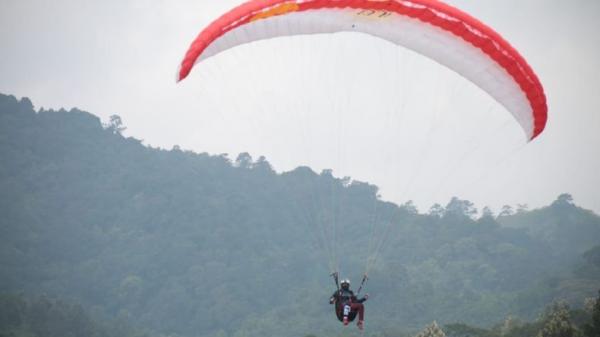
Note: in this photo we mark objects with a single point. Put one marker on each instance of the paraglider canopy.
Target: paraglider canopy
(429, 27)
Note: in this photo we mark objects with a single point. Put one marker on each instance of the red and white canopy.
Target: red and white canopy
(429, 27)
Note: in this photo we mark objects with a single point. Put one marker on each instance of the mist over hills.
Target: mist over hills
(195, 244)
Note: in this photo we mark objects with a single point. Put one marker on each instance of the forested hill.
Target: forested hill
(202, 245)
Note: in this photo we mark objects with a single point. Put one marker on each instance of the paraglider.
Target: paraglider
(431, 28)
(347, 304)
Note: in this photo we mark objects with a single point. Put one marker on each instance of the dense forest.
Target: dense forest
(120, 237)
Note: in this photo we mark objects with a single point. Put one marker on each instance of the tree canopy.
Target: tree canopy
(202, 245)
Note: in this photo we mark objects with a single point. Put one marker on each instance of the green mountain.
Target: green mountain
(202, 245)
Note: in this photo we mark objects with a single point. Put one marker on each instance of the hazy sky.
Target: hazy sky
(361, 106)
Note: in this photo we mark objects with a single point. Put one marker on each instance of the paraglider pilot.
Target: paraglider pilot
(347, 305)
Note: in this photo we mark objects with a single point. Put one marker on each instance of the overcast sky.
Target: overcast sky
(361, 106)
